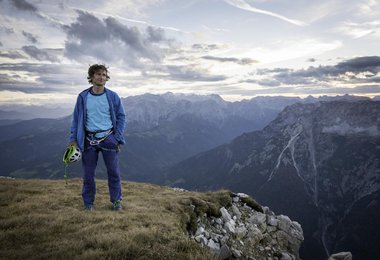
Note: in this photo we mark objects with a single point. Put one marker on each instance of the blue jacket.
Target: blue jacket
(78, 132)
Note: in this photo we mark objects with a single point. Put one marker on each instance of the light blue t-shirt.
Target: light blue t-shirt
(98, 116)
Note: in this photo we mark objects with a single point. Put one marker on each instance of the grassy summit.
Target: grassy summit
(45, 219)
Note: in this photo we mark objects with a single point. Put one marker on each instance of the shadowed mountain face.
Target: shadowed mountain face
(317, 163)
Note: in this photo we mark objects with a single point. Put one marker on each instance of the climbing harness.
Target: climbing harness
(94, 141)
(72, 154)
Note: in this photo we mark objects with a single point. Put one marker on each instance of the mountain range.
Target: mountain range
(317, 163)
(162, 130)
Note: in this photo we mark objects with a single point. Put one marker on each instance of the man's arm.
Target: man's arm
(120, 121)
(74, 124)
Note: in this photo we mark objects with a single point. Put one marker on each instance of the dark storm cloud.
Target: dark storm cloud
(32, 67)
(205, 47)
(23, 5)
(39, 54)
(356, 70)
(48, 78)
(113, 41)
(16, 83)
(32, 38)
(188, 73)
(269, 83)
(360, 64)
(244, 61)
(12, 55)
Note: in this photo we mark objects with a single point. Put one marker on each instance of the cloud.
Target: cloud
(244, 61)
(205, 47)
(242, 4)
(42, 78)
(357, 70)
(17, 83)
(39, 54)
(359, 30)
(121, 18)
(32, 38)
(361, 64)
(12, 54)
(23, 5)
(110, 40)
(191, 73)
(7, 30)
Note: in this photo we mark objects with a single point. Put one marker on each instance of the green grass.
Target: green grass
(44, 219)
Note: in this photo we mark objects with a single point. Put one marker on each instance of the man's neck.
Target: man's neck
(97, 89)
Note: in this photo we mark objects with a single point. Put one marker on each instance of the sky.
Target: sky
(238, 49)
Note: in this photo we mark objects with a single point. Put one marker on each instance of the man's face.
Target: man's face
(100, 77)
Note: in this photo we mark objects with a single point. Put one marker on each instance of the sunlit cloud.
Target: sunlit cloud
(359, 30)
(242, 4)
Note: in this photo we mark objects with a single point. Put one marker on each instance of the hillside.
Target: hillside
(45, 219)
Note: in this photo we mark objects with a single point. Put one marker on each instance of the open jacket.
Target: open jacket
(78, 131)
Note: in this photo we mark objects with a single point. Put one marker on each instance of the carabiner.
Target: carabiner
(94, 142)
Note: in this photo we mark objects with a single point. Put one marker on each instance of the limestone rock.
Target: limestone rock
(243, 232)
(341, 256)
(225, 215)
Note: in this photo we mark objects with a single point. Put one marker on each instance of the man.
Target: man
(97, 126)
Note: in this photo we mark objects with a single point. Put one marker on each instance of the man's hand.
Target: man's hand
(73, 143)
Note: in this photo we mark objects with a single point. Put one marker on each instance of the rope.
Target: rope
(65, 176)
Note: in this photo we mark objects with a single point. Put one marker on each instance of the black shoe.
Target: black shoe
(89, 207)
(116, 205)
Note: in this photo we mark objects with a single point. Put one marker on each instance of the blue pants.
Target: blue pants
(109, 150)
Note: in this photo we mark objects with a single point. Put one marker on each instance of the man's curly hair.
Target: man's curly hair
(94, 68)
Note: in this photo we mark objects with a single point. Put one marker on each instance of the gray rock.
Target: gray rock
(341, 256)
(243, 195)
(286, 256)
(296, 231)
(258, 218)
(272, 221)
(225, 252)
(213, 246)
(284, 223)
(225, 215)
(236, 253)
(255, 235)
(240, 231)
(199, 231)
(198, 238)
(204, 241)
(230, 226)
(282, 238)
(236, 211)
(219, 221)
(271, 229)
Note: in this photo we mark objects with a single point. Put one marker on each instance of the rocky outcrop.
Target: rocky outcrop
(341, 256)
(249, 232)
